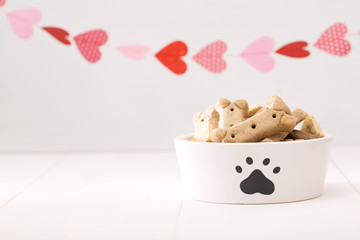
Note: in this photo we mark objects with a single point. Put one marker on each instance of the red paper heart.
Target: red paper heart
(89, 43)
(58, 33)
(294, 49)
(332, 40)
(210, 57)
(171, 55)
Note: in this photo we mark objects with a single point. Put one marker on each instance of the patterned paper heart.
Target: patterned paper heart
(171, 55)
(88, 44)
(332, 40)
(210, 57)
(135, 52)
(294, 49)
(258, 54)
(60, 34)
(22, 21)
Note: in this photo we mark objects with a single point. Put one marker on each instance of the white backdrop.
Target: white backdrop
(52, 99)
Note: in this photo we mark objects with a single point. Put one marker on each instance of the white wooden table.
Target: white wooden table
(139, 195)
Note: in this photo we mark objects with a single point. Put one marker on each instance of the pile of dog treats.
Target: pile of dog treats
(235, 122)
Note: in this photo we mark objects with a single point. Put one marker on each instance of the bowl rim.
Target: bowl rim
(187, 138)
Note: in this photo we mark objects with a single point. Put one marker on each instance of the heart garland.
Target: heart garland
(210, 57)
(135, 52)
(59, 34)
(22, 21)
(170, 56)
(332, 40)
(294, 49)
(89, 43)
(257, 54)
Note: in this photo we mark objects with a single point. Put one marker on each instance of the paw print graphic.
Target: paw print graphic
(257, 182)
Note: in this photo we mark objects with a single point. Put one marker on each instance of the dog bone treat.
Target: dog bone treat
(276, 138)
(254, 109)
(288, 140)
(276, 103)
(204, 124)
(310, 125)
(297, 134)
(262, 125)
(231, 113)
(234, 122)
(298, 116)
(266, 140)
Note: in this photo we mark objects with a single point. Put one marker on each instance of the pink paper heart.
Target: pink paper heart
(258, 54)
(88, 44)
(2, 2)
(332, 40)
(135, 52)
(210, 57)
(22, 21)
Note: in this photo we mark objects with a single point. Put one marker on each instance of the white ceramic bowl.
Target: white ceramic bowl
(253, 173)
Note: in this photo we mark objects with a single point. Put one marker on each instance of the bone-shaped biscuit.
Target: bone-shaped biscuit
(298, 115)
(296, 134)
(310, 125)
(288, 140)
(262, 125)
(276, 103)
(253, 110)
(276, 138)
(231, 113)
(204, 124)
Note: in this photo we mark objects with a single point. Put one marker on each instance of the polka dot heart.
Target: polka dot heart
(210, 57)
(89, 43)
(332, 40)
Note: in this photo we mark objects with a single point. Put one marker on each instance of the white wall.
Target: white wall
(52, 99)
